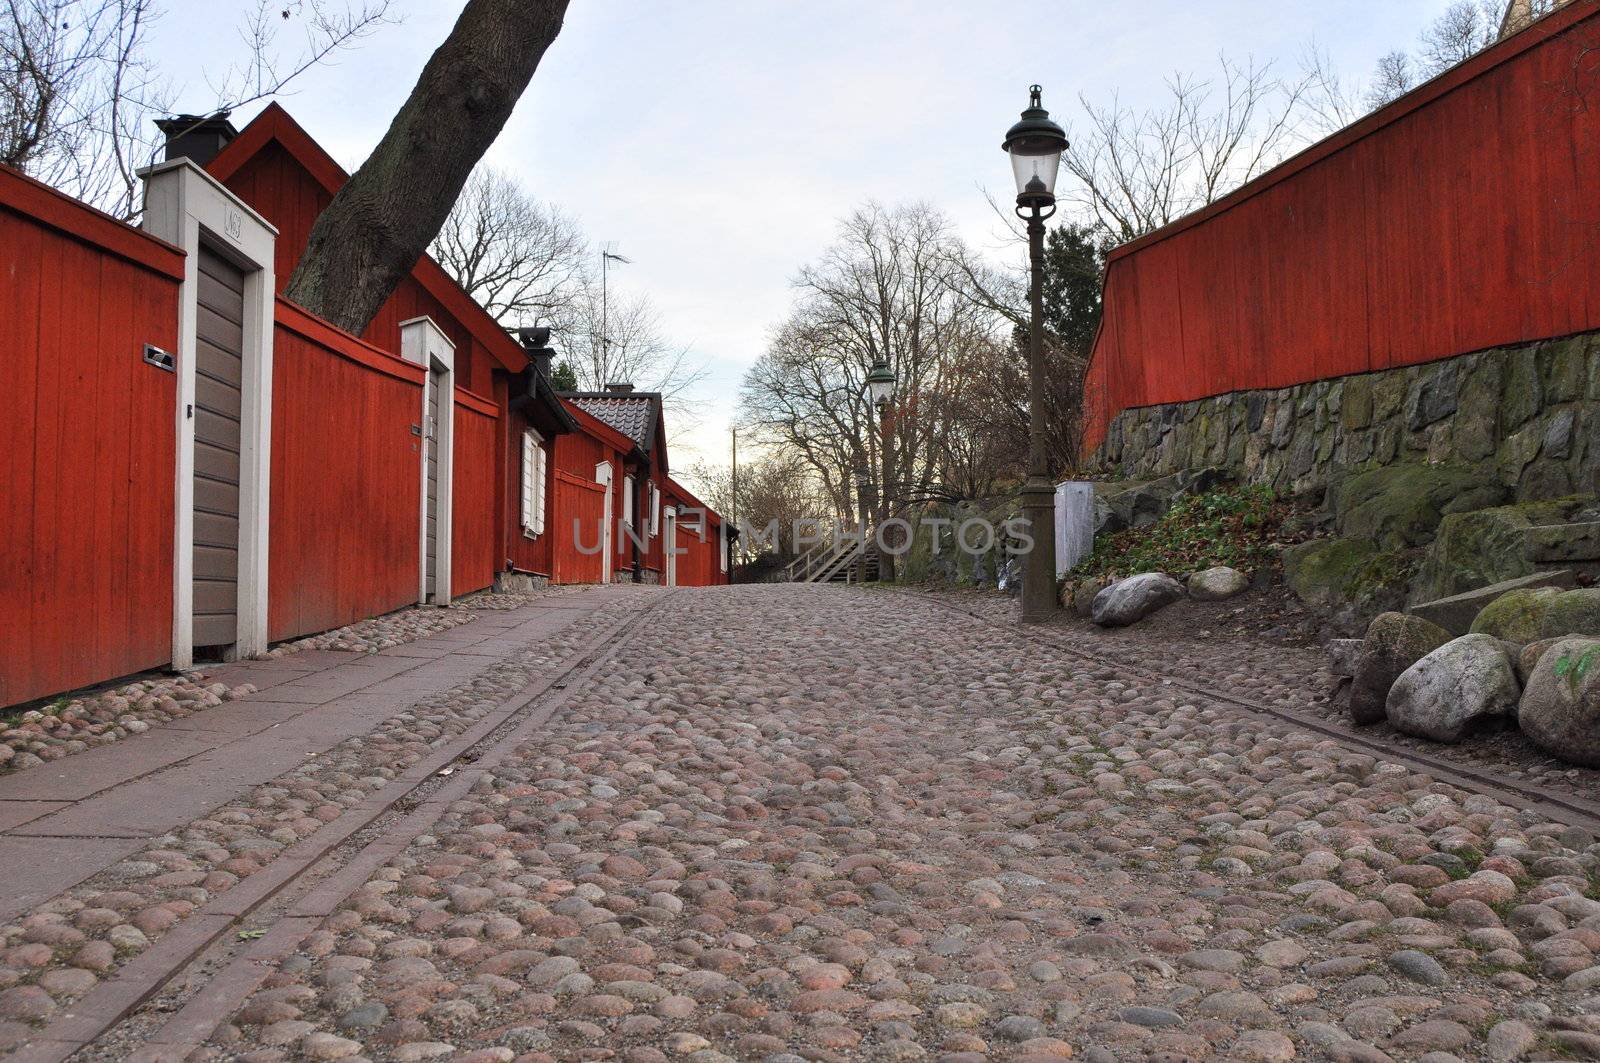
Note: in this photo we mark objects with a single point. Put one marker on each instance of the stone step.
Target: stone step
(1555, 543)
(1456, 613)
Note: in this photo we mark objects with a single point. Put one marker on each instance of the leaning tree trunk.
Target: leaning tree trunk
(382, 220)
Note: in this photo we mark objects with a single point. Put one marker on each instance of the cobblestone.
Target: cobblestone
(821, 823)
(66, 945)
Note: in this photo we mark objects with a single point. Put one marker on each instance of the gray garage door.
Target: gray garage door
(431, 561)
(219, 336)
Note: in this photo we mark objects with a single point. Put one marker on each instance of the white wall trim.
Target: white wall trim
(424, 343)
(604, 476)
(186, 206)
(670, 544)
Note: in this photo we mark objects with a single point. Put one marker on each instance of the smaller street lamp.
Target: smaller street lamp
(880, 382)
(880, 388)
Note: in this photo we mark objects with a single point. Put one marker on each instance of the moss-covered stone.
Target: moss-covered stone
(1572, 613)
(1516, 616)
(1396, 506)
(1320, 570)
(1356, 410)
(1524, 391)
(1349, 580)
(1488, 546)
(1562, 363)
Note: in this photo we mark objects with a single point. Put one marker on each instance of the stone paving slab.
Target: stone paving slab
(16, 813)
(93, 771)
(110, 801)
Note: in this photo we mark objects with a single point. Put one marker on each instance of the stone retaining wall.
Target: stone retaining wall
(1528, 415)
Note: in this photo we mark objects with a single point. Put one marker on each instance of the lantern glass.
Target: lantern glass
(882, 391)
(1035, 161)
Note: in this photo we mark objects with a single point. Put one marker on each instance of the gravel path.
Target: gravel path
(822, 823)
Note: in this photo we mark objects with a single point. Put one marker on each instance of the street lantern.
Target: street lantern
(1035, 144)
(880, 382)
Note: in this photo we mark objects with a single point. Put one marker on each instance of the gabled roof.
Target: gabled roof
(591, 425)
(635, 414)
(274, 126)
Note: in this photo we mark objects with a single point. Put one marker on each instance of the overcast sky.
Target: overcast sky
(718, 141)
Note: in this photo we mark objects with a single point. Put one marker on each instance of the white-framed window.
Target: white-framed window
(534, 462)
(655, 510)
(627, 500)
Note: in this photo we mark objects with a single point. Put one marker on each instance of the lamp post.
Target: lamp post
(880, 389)
(1035, 144)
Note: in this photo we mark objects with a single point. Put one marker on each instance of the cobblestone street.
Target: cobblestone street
(790, 822)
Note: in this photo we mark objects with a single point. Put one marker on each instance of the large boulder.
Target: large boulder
(1394, 642)
(1217, 584)
(1465, 682)
(1131, 600)
(1572, 613)
(1516, 616)
(1457, 612)
(1560, 709)
(1474, 550)
(1124, 504)
(1348, 580)
(1400, 505)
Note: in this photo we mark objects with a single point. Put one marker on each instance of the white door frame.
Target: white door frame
(604, 477)
(669, 542)
(423, 343)
(186, 206)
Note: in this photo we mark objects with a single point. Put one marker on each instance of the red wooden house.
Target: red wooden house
(217, 469)
(640, 474)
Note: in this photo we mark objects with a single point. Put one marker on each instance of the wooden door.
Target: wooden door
(430, 559)
(219, 372)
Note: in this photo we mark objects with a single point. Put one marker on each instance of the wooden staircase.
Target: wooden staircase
(830, 562)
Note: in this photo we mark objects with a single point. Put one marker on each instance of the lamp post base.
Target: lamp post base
(1039, 601)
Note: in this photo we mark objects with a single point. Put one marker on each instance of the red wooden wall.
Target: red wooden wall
(577, 511)
(472, 525)
(346, 479)
(86, 444)
(525, 554)
(1463, 216)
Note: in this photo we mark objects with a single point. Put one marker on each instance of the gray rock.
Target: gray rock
(1560, 709)
(1131, 600)
(1462, 683)
(1342, 655)
(1151, 1018)
(1394, 642)
(1456, 613)
(1217, 584)
(1419, 967)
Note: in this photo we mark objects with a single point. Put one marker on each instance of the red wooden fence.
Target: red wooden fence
(85, 444)
(1464, 216)
(472, 526)
(575, 521)
(346, 490)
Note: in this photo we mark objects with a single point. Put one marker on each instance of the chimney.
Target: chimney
(536, 344)
(196, 137)
(619, 388)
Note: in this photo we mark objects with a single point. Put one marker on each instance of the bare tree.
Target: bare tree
(775, 490)
(1466, 28)
(1134, 171)
(619, 339)
(884, 291)
(382, 220)
(522, 260)
(78, 90)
